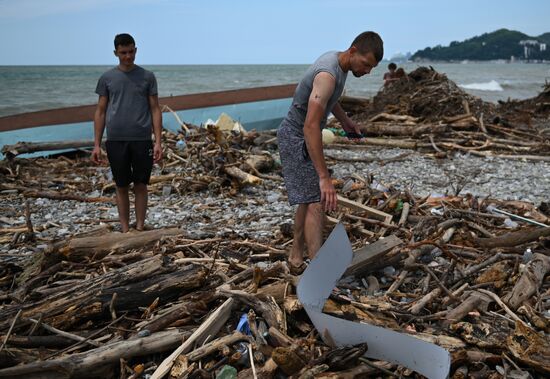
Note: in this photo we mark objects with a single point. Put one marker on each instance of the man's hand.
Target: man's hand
(352, 130)
(96, 155)
(157, 152)
(328, 194)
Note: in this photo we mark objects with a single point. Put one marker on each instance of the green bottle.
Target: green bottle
(227, 372)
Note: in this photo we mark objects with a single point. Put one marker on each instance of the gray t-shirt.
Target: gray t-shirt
(327, 62)
(128, 115)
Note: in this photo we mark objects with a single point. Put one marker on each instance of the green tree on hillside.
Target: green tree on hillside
(500, 44)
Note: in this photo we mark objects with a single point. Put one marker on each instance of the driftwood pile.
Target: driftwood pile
(211, 161)
(130, 305)
(538, 106)
(468, 274)
(427, 111)
(426, 94)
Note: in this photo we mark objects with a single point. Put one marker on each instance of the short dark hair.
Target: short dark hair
(124, 39)
(392, 66)
(369, 42)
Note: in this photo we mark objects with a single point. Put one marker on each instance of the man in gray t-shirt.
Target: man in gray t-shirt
(128, 108)
(305, 172)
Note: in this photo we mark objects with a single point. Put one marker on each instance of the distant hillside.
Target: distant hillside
(500, 44)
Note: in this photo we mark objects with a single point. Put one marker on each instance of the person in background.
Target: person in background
(128, 108)
(390, 75)
(400, 73)
(305, 172)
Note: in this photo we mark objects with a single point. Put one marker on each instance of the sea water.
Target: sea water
(33, 88)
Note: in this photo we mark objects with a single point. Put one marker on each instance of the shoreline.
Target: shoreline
(61, 90)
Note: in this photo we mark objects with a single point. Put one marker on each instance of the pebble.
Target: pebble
(503, 179)
(257, 212)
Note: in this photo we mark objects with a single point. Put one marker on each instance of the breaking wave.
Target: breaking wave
(493, 85)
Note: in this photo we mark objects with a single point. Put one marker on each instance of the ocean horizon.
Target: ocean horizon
(39, 87)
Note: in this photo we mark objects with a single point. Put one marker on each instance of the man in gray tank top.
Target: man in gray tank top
(307, 179)
(128, 108)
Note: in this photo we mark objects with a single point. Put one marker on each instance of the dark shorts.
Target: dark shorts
(131, 161)
(301, 178)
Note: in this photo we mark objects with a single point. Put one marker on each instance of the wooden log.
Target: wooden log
(62, 333)
(397, 158)
(242, 177)
(277, 290)
(363, 258)
(476, 300)
(402, 130)
(177, 312)
(54, 305)
(513, 238)
(404, 214)
(12, 151)
(419, 305)
(131, 296)
(137, 285)
(394, 117)
(77, 249)
(55, 342)
(216, 345)
(451, 119)
(464, 357)
(530, 281)
(371, 212)
(87, 364)
(365, 142)
(540, 158)
(278, 338)
(16, 356)
(30, 283)
(67, 196)
(153, 180)
(210, 326)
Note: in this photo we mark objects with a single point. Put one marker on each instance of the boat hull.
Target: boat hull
(260, 108)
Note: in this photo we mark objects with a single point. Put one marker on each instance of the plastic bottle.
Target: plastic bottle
(181, 145)
(227, 372)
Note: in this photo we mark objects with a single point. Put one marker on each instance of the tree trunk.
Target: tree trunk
(77, 249)
(514, 238)
(31, 147)
(87, 364)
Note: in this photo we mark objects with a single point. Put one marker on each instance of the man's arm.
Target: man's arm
(99, 127)
(323, 87)
(347, 123)
(156, 116)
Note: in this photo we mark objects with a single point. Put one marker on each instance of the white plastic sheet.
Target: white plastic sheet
(316, 285)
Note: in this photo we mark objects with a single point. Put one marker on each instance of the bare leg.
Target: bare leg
(140, 192)
(297, 251)
(123, 205)
(315, 219)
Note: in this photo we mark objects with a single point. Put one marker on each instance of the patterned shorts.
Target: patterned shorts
(301, 178)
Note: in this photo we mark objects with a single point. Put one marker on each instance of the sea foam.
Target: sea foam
(493, 85)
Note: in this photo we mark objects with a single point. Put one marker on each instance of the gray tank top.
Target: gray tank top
(327, 62)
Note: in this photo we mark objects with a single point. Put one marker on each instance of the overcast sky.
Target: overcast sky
(59, 32)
